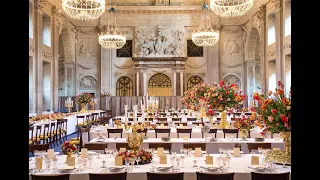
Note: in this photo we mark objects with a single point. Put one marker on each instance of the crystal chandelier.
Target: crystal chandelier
(83, 9)
(230, 8)
(205, 35)
(110, 37)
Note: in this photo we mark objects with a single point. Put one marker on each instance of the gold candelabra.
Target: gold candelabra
(135, 139)
(69, 107)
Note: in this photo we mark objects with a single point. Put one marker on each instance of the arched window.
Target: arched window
(124, 86)
(193, 80)
(159, 80)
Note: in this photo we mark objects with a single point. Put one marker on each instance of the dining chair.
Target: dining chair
(65, 129)
(96, 146)
(230, 131)
(38, 147)
(38, 129)
(123, 145)
(108, 176)
(166, 176)
(184, 131)
(176, 119)
(44, 136)
(51, 177)
(193, 146)
(162, 130)
(256, 146)
(164, 123)
(268, 176)
(166, 146)
(31, 129)
(191, 119)
(114, 131)
(212, 131)
(145, 130)
(211, 176)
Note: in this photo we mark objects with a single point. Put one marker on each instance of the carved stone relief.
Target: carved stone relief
(162, 2)
(87, 54)
(159, 41)
(88, 82)
(31, 48)
(40, 3)
(233, 79)
(57, 17)
(69, 79)
(47, 54)
(271, 53)
(286, 46)
(231, 65)
(231, 48)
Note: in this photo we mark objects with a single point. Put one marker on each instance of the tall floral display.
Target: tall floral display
(83, 99)
(274, 110)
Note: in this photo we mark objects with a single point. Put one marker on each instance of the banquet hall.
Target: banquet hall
(159, 89)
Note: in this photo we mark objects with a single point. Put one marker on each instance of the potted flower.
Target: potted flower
(244, 124)
(144, 157)
(68, 148)
(83, 99)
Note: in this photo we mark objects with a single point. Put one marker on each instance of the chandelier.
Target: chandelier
(205, 35)
(84, 9)
(230, 8)
(110, 37)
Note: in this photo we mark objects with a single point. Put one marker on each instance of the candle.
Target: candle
(143, 115)
(135, 107)
(126, 114)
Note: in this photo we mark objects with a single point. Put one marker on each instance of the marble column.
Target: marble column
(174, 83)
(145, 85)
(70, 78)
(137, 83)
(38, 61)
(279, 25)
(181, 83)
(263, 46)
(212, 64)
(250, 77)
(106, 76)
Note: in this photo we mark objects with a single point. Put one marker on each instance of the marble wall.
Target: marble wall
(30, 84)
(46, 86)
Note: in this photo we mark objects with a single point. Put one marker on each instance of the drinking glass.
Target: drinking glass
(79, 163)
(127, 162)
(177, 164)
(284, 164)
(182, 160)
(220, 151)
(84, 163)
(137, 161)
(90, 158)
(48, 163)
(107, 152)
(260, 151)
(172, 161)
(181, 150)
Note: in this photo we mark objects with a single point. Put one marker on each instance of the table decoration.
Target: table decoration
(244, 125)
(68, 148)
(69, 104)
(274, 110)
(144, 156)
(83, 99)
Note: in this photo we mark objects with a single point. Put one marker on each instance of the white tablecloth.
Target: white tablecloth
(238, 165)
(212, 147)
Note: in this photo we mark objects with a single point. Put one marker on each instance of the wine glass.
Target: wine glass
(48, 163)
(137, 161)
(284, 164)
(182, 160)
(181, 150)
(55, 160)
(220, 151)
(178, 164)
(79, 163)
(107, 152)
(127, 162)
(259, 150)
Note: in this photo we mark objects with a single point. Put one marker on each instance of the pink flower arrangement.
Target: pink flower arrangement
(68, 147)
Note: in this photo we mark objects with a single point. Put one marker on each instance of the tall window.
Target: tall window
(30, 21)
(46, 31)
(271, 29)
(272, 75)
(287, 21)
(159, 80)
(124, 86)
(194, 80)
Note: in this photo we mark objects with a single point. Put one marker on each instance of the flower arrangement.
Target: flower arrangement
(245, 122)
(83, 98)
(145, 156)
(68, 147)
(274, 110)
(105, 93)
(48, 116)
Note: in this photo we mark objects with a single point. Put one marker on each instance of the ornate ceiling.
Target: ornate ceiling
(135, 8)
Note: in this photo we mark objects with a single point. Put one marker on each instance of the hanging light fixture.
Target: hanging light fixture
(109, 36)
(84, 9)
(230, 8)
(205, 35)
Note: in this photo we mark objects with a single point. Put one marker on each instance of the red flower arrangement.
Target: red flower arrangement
(83, 98)
(48, 116)
(68, 147)
(245, 122)
(274, 110)
(145, 156)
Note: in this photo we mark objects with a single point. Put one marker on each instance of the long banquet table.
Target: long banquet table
(212, 147)
(238, 165)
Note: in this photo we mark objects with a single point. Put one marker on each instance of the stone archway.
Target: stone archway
(253, 64)
(160, 85)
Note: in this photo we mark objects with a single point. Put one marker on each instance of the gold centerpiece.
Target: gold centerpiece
(223, 122)
(280, 156)
(83, 99)
(135, 139)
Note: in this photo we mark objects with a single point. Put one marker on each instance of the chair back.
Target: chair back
(212, 131)
(230, 131)
(166, 146)
(109, 176)
(176, 119)
(31, 129)
(191, 119)
(145, 130)
(39, 147)
(162, 119)
(184, 130)
(198, 123)
(113, 131)
(164, 123)
(51, 177)
(96, 146)
(166, 176)
(268, 176)
(38, 133)
(193, 146)
(220, 176)
(162, 130)
(82, 118)
(123, 145)
(256, 146)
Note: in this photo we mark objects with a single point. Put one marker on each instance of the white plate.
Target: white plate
(258, 167)
(163, 167)
(100, 140)
(116, 168)
(211, 167)
(67, 168)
